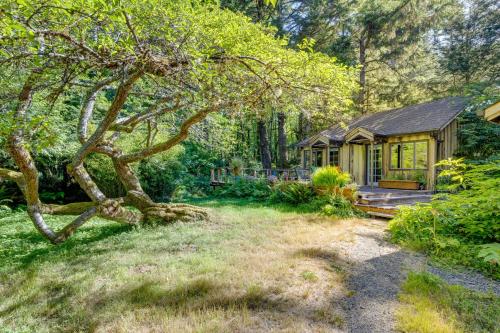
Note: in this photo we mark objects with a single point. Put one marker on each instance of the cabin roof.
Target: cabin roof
(418, 118)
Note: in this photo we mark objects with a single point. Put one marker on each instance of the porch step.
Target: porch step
(386, 211)
(392, 193)
(401, 199)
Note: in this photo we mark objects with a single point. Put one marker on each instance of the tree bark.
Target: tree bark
(265, 154)
(282, 148)
(29, 181)
(362, 75)
(304, 127)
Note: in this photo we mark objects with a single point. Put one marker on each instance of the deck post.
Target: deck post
(212, 175)
(372, 164)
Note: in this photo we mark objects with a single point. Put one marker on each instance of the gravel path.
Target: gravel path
(377, 269)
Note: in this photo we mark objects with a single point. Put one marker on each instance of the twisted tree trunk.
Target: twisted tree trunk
(108, 208)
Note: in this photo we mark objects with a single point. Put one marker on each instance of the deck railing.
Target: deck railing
(220, 176)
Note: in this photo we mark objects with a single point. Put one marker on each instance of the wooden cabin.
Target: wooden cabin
(402, 143)
(491, 113)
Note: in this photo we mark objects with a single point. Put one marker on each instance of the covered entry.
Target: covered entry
(373, 153)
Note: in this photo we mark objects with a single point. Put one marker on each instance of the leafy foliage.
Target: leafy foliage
(431, 305)
(339, 206)
(245, 188)
(293, 192)
(330, 177)
(457, 225)
(451, 178)
(490, 253)
(478, 138)
(161, 174)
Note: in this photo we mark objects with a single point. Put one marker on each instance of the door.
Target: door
(317, 158)
(373, 170)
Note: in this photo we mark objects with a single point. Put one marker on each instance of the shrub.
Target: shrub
(160, 175)
(338, 206)
(102, 171)
(293, 192)
(330, 177)
(245, 188)
(457, 226)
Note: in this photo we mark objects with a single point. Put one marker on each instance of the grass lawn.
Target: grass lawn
(429, 305)
(251, 268)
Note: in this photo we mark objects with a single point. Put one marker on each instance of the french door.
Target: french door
(373, 170)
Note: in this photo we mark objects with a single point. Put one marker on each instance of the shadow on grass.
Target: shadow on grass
(215, 202)
(331, 258)
(30, 247)
(195, 295)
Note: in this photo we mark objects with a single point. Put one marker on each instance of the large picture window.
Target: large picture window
(334, 156)
(409, 155)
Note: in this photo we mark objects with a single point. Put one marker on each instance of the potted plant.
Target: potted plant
(330, 180)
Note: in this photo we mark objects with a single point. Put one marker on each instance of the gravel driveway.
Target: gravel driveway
(377, 269)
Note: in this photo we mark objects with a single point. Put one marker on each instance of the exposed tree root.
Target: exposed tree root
(169, 213)
(112, 209)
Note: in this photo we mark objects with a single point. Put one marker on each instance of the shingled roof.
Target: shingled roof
(425, 117)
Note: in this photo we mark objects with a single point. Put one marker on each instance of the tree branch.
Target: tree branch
(88, 108)
(179, 137)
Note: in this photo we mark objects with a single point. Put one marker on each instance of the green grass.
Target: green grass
(431, 305)
(240, 271)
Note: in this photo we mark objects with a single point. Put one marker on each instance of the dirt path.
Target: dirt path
(376, 270)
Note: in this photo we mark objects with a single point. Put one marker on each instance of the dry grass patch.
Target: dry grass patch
(250, 269)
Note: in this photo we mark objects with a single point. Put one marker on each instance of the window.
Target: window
(421, 155)
(334, 156)
(409, 155)
(317, 158)
(306, 159)
(396, 156)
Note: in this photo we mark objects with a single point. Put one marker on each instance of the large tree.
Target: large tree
(468, 46)
(387, 39)
(150, 59)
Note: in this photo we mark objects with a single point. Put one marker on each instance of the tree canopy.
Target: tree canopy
(125, 67)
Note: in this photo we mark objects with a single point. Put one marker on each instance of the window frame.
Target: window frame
(307, 157)
(314, 157)
(401, 160)
(330, 150)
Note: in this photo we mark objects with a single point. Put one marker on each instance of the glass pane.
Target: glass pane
(421, 155)
(319, 159)
(396, 156)
(408, 154)
(306, 159)
(334, 156)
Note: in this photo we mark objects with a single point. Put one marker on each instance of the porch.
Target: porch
(384, 202)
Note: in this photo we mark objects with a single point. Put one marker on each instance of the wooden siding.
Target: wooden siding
(352, 157)
(448, 141)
